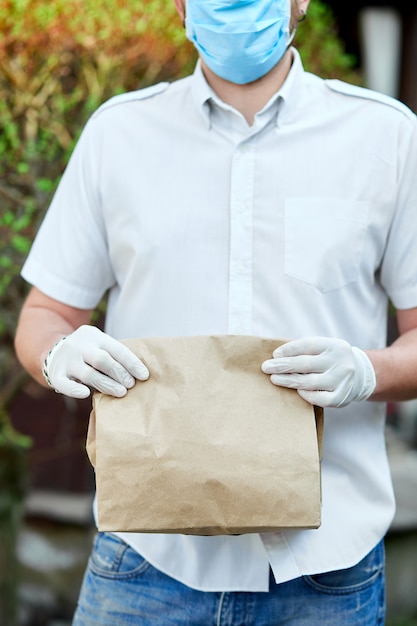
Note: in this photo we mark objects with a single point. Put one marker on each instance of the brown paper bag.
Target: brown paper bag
(208, 445)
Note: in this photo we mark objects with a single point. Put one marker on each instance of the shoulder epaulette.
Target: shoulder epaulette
(131, 96)
(367, 94)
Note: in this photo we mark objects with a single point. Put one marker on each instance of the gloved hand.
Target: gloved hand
(90, 358)
(326, 372)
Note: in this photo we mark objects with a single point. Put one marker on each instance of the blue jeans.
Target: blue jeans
(121, 588)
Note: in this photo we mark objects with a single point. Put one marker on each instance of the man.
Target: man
(250, 198)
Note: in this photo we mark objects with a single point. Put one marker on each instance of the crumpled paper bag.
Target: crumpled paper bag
(208, 445)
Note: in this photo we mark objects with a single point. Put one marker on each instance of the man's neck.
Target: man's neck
(252, 97)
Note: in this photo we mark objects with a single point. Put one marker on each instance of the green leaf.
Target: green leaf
(21, 244)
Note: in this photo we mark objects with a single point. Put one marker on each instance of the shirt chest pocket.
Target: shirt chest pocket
(324, 240)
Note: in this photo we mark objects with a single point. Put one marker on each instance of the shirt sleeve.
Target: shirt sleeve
(69, 258)
(399, 267)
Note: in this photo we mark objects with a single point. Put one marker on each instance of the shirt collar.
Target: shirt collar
(283, 99)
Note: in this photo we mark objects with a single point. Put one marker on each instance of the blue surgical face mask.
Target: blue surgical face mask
(239, 40)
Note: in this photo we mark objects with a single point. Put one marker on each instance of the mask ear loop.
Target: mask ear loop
(302, 16)
(291, 37)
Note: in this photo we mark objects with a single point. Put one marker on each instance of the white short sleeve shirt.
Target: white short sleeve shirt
(303, 224)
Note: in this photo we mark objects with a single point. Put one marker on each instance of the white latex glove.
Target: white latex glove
(326, 372)
(90, 358)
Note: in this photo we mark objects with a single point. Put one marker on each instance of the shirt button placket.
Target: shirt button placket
(241, 235)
